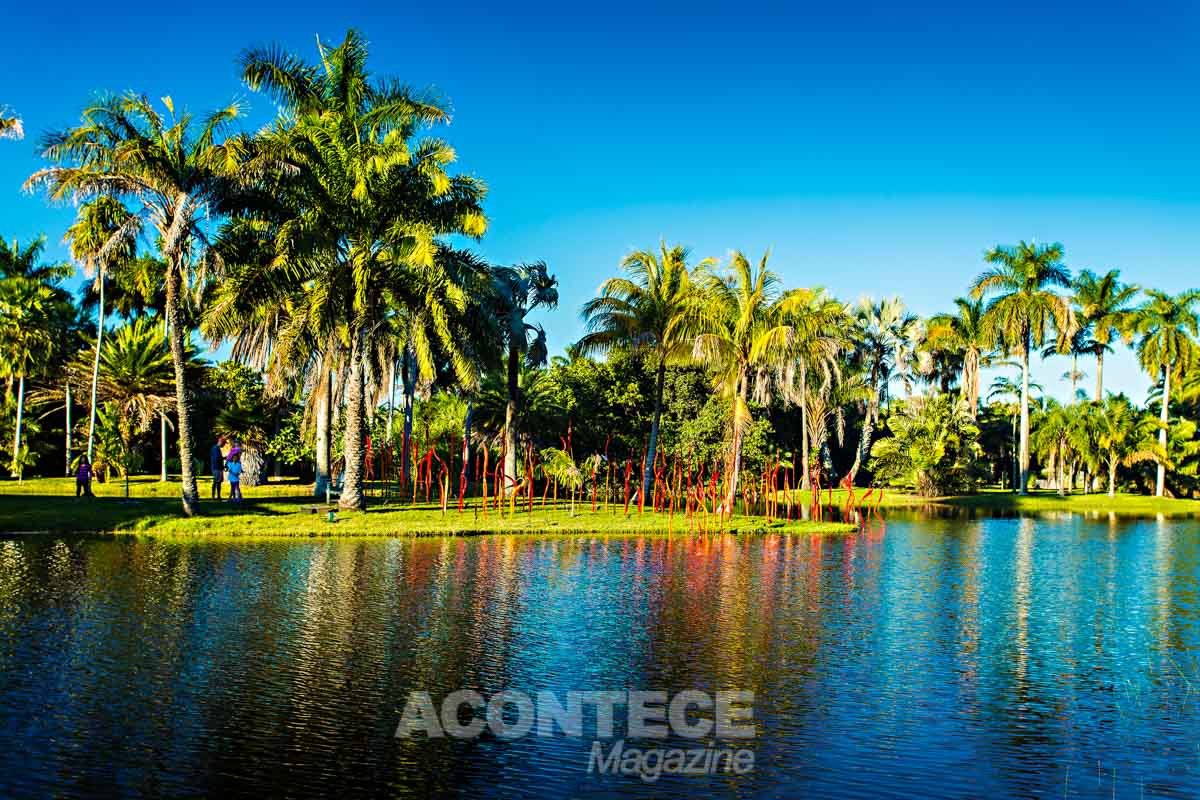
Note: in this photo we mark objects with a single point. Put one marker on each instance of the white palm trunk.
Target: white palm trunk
(1024, 458)
(1161, 480)
(96, 369)
(17, 467)
(68, 433)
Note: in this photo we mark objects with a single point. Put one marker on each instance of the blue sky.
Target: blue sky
(877, 150)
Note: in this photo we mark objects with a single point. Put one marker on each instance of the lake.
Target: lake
(1055, 656)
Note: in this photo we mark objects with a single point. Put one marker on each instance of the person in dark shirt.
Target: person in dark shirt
(217, 464)
(83, 478)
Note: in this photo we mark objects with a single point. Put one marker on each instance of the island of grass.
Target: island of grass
(286, 509)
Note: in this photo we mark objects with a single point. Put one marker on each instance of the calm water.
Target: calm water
(934, 658)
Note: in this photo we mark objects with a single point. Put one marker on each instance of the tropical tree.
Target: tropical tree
(805, 345)
(886, 336)
(25, 339)
(964, 334)
(933, 446)
(650, 309)
(1103, 304)
(517, 292)
(1125, 436)
(738, 310)
(1166, 326)
(94, 241)
(1052, 427)
(1023, 311)
(32, 303)
(362, 202)
(174, 174)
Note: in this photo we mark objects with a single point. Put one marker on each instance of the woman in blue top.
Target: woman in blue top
(233, 468)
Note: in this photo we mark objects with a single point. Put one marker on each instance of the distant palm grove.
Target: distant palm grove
(373, 353)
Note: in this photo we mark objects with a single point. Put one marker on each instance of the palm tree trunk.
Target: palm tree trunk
(648, 474)
(68, 433)
(1112, 477)
(971, 381)
(865, 442)
(804, 482)
(1099, 375)
(324, 413)
(162, 443)
(1074, 375)
(96, 368)
(17, 467)
(510, 421)
(735, 467)
(391, 398)
(408, 380)
(353, 496)
(189, 493)
(1024, 457)
(1160, 481)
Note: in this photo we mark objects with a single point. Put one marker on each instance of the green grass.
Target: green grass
(283, 509)
(1003, 501)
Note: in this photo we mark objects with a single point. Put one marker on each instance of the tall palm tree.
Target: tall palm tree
(1166, 326)
(965, 334)
(738, 310)
(25, 339)
(886, 335)
(517, 292)
(93, 241)
(647, 310)
(174, 175)
(1124, 435)
(1103, 307)
(811, 333)
(1023, 311)
(364, 201)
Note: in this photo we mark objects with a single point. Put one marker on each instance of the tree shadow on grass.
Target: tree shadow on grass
(59, 514)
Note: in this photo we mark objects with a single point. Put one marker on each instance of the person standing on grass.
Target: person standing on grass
(234, 468)
(217, 464)
(83, 477)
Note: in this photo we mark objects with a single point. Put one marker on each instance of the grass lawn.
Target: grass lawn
(283, 509)
(1003, 501)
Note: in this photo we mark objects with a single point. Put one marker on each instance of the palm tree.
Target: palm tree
(518, 291)
(363, 201)
(886, 336)
(10, 127)
(30, 299)
(1022, 311)
(25, 338)
(95, 242)
(1008, 392)
(648, 310)
(174, 176)
(811, 333)
(1052, 437)
(1125, 434)
(964, 334)
(1103, 306)
(738, 311)
(137, 377)
(1166, 325)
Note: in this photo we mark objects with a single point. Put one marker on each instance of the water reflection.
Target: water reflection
(936, 657)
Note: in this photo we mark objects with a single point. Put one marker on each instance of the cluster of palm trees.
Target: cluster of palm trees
(326, 249)
(806, 348)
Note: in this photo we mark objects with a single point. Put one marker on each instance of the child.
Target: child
(233, 467)
(83, 477)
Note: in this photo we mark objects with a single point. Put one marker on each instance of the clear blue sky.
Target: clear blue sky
(877, 150)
